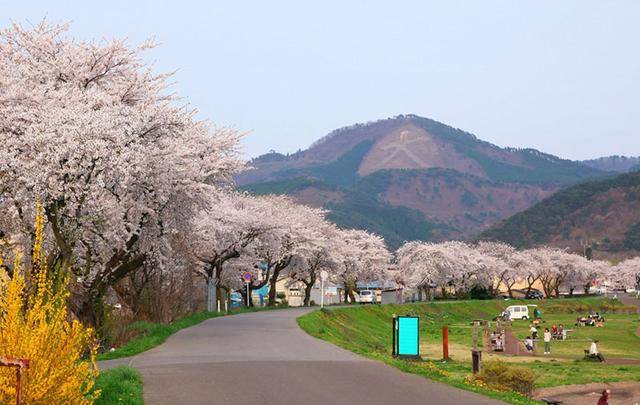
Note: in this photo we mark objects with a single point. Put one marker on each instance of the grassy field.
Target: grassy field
(120, 385)
(149, 335)
(367, 331)
(617, 339)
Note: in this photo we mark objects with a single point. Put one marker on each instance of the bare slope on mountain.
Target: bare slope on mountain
(603, 213)
(465, 202)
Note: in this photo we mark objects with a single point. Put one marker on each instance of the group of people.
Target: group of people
(594, 319)
(558, 332)
(555, 333)
(546, 337)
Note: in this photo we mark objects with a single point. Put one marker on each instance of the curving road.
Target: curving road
(264, 358)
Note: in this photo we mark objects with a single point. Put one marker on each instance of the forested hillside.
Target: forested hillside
(603, 215)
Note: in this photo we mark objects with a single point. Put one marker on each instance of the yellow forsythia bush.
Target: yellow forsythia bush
(36, 326)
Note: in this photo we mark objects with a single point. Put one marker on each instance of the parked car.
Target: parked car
(535, 295)
(368, 297)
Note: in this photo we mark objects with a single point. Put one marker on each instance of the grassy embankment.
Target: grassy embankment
(148, 335)
(366, 331)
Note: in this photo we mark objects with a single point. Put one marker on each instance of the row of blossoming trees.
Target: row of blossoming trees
(135, 191)
(134, 188)
(456, 267)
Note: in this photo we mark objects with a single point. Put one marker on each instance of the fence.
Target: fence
(20, 365)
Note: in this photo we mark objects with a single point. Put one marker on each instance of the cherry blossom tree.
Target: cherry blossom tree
(119, 165)
(299, 229)
(451, 265)
(229, 227)
(626, 273)
(260, 235)
(363, 257)
(584, 274)
(320, 254)
(513, 266)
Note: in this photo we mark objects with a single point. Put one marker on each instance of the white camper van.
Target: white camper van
(518, 312)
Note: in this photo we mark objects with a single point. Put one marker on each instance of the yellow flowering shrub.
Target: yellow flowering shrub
(500, 376)
(36, 326)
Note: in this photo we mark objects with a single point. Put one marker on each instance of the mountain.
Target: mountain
(604, 214)
(410, 177)
(615, 163)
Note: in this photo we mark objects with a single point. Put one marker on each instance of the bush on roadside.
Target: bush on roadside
(35, 325)
(500, 376)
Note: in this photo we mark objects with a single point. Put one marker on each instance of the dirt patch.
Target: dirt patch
(513, 346)
(622, 393)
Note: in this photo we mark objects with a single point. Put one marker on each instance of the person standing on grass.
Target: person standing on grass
(547, 341)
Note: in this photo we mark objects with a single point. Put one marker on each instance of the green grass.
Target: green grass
(149, 335)
(120, 385)
(366, 331)
(617, 339)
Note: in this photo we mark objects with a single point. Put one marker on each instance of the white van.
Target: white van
(368, 296)
(518, 312)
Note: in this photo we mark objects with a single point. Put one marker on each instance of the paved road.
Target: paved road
(264, 358)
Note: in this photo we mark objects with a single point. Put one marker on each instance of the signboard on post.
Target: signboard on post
(406, 337)
(247, 279)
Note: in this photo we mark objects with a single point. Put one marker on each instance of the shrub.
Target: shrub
(502, 377)
(34, 325)
(479, 292)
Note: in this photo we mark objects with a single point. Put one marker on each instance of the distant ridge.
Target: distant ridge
(614, 163)
(603, 214)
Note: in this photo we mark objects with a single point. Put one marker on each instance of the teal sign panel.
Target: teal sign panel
(408, 336)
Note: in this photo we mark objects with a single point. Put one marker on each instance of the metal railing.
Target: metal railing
(20, 365)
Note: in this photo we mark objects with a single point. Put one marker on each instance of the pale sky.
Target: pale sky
(560, 76)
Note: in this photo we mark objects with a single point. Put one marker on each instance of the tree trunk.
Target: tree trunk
(548, 287)
(277, 269)
(272, 290)
(211, 294)
(307, 294)
(352, 296)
